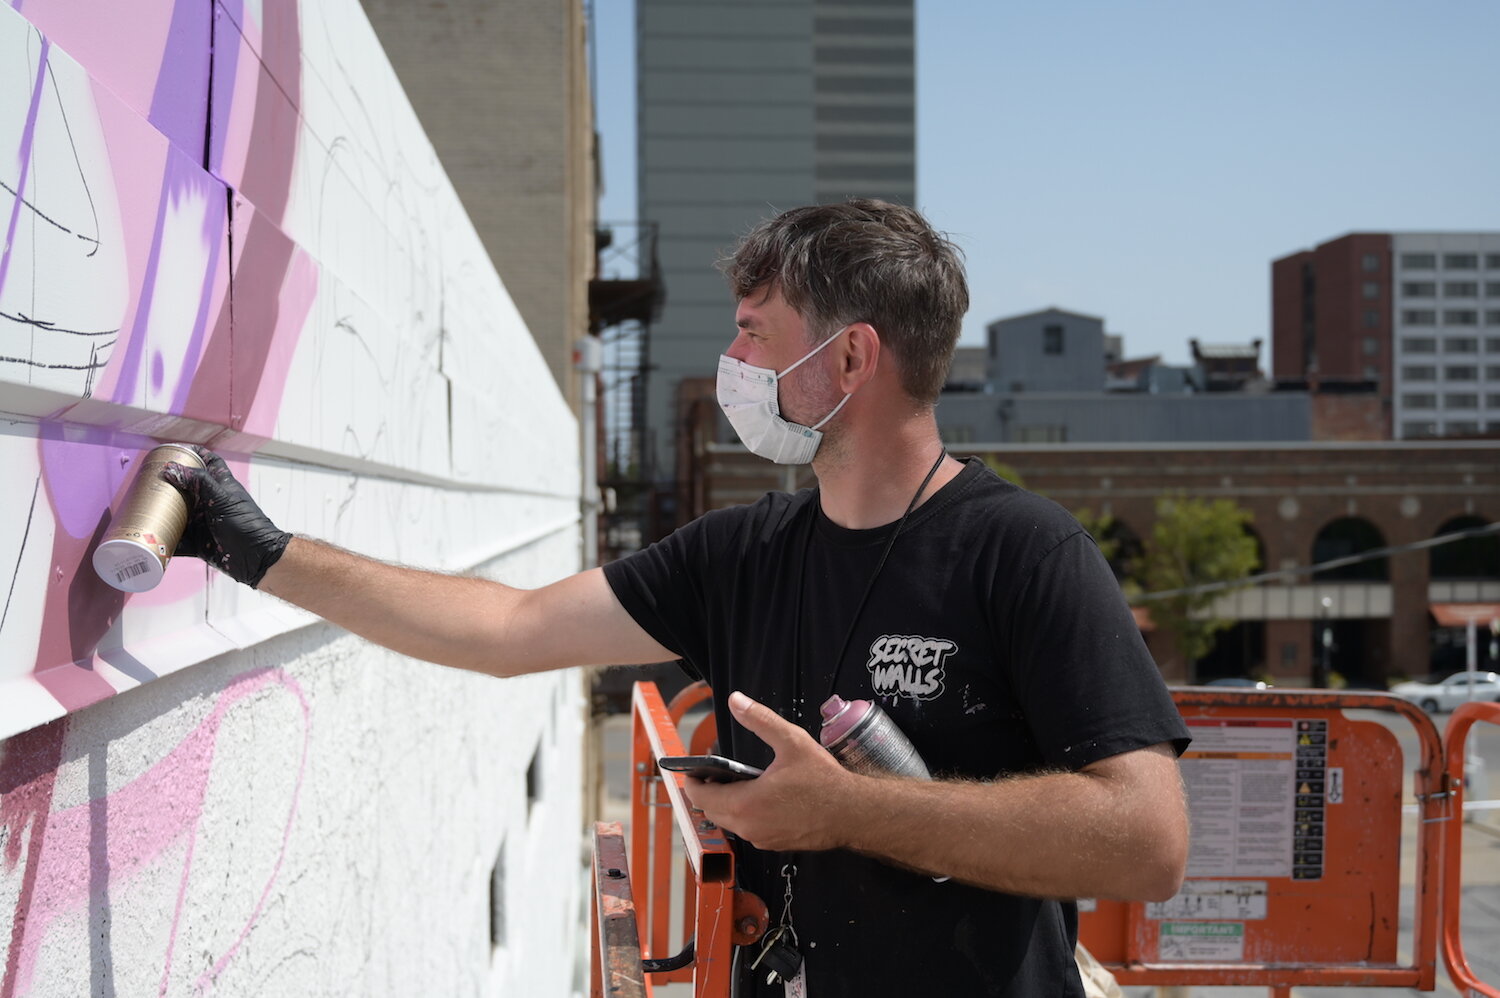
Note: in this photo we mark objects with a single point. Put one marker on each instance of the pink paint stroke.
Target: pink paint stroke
(145, 818)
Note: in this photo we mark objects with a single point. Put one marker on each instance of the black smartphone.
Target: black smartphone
(709, 768)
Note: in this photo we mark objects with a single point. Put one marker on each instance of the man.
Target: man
(982, 619)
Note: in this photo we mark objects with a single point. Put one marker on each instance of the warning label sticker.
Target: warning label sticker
(1241, 780)
(1216, 899)
(1257, 793)
(1201, 942)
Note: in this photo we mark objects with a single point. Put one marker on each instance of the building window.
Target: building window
(1461, 261)
(1461, 428)
(1461, 289)
(1419, 400)
(1371, 261)
(1492, 289)
(1492, 372)
(1419, 289)
(1492, 400)
(1460, 317)
(1461, 344)
(1492, 317)
(1461, 372)
(1461, 400)
(1419, 372)
(1419, 344)
(1492, 343)
(1420, 428)
(1052, 339)
(1372, 318)
(1419, 317)
(1418, 261)
(1372, 289)
(1492, 261)
(1371, 346)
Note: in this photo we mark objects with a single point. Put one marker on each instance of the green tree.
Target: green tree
(1005, 471)
(1194, 542)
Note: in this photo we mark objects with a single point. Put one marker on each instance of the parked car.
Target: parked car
(1450, 692)
(1244, 682)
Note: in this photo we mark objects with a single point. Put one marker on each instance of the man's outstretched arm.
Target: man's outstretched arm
(452, 620)
(464, 622)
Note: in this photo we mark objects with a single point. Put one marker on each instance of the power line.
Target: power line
(1322, 566)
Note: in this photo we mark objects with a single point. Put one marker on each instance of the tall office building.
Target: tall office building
(745, 110)
(1416, 312)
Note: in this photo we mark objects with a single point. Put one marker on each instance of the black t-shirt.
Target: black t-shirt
(995, 637)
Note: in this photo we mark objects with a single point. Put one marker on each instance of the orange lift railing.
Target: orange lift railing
(1455, 737)
(1294, 877)
(716, 915)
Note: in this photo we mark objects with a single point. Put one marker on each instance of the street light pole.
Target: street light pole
(1320, 673)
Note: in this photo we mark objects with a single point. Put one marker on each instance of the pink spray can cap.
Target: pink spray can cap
(839, 716)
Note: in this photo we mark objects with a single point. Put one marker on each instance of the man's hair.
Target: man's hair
(863, 261)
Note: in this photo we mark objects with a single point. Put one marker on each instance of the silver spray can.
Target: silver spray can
(865, 739)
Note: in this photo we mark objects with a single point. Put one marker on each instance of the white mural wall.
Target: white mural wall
(223, 224)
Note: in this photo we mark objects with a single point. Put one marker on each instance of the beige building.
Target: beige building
(503, 93)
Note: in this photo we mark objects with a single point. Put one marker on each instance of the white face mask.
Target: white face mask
(748, 397)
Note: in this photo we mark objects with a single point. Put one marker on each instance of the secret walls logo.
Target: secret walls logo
(909, 666)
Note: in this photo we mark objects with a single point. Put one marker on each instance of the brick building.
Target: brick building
(1416, 312)
(1310, 502)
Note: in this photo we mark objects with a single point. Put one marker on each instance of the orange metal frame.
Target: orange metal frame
(716, 915)
(1335, 928)
(1454, 737)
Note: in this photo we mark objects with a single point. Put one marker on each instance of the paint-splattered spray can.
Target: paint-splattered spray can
(133, 556)
(865, 739)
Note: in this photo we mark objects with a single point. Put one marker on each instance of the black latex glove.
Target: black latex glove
(224, 527)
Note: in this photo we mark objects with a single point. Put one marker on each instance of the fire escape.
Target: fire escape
(624, 299)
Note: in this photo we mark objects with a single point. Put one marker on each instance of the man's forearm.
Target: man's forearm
(1051, 835)
(447, 619)
(464, 622)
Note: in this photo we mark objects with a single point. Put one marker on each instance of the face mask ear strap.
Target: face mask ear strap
(810, 355)
(819, 424)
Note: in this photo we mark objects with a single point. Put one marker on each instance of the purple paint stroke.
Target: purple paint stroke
(215, 228)
(226, 64)
(179, 106)
(27, 134)
(83, 472)
(178, 180)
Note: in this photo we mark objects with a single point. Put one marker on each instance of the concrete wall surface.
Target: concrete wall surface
(223, 224)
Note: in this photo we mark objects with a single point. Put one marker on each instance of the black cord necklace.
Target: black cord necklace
(859, 607)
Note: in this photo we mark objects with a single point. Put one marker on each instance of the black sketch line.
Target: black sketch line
(48, 218)
(94, 362)
(73, 146)
(21, 552)
(27, 320)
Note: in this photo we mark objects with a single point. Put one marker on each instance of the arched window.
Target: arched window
(1260, 548)
(1350, 535)
(1471, 558)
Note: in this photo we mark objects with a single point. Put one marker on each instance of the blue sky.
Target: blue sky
(1146, 160)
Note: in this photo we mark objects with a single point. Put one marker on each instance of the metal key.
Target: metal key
(779, 954)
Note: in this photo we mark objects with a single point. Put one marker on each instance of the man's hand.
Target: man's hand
(794, 804)
(224, 527)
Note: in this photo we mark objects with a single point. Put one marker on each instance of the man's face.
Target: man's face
(773, 335)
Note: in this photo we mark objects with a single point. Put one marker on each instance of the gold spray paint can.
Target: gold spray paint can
(133, 556)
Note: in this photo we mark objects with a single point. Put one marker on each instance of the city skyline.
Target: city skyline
(1130, 163)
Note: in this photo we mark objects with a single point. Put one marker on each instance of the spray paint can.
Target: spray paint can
(865, 739)
(133, 556)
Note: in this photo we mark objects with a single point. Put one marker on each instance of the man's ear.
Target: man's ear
(859, 358)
